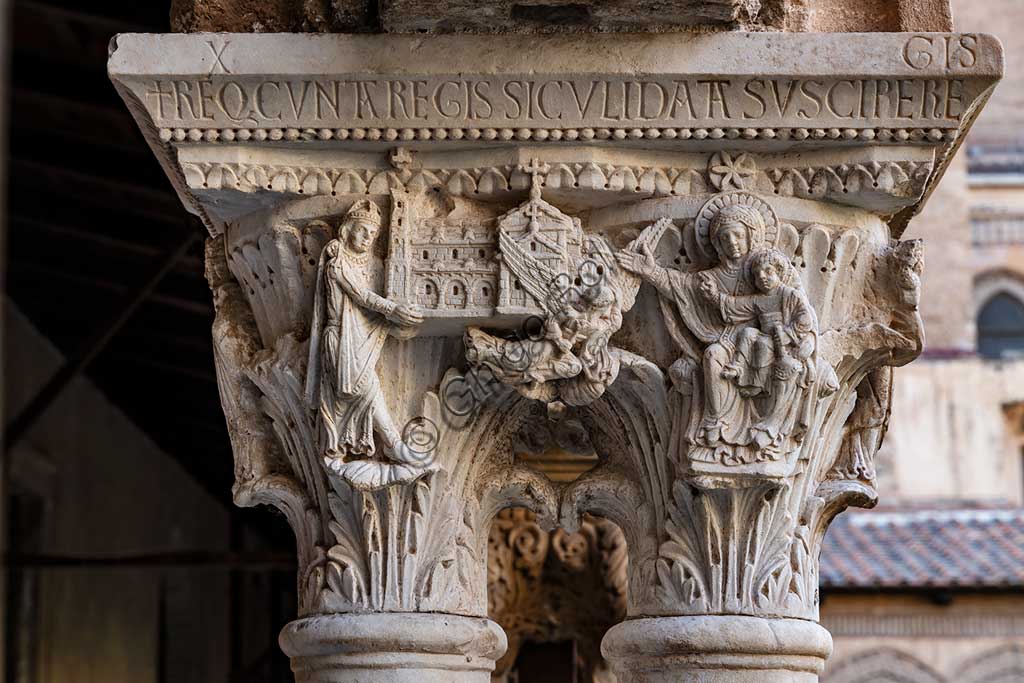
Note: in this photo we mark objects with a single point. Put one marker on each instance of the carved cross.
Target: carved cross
(537, 171)
(533, 210)
(401, 159)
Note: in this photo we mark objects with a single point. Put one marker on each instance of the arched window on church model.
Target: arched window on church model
(1001, 326)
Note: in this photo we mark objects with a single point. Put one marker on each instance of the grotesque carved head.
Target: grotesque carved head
(360, 227)
(732, 230)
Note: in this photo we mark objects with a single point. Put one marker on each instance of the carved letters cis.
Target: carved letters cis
(571, 101)
(953, 53)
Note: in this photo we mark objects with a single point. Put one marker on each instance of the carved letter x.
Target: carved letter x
(218, 55)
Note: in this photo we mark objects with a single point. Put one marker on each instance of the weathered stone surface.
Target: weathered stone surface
(431, 255)
(717, 649)
(759, 91)
(346, 81)
(409, 16)
(259, 16)
(441, 16)
(392, 648)
(869, 15)
(926, 15)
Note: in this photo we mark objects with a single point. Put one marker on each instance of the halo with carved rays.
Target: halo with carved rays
(758, 239)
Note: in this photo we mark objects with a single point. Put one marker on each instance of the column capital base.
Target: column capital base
(393, 648)
(717, 649)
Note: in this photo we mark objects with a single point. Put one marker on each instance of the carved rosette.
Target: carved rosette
(725, 527)
(353, 542)
(719, 535)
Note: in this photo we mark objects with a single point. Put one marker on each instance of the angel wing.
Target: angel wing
(651, 235)
(627, 283)
(313, 369)
(535, 277)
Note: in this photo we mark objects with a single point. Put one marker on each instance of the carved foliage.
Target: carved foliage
(728, 551)
(235, 342)
(383, 559)
(750, 546)
(413, 547)
(629, 428)
(721, 544)
(277, 271)
(897, 179)
(420, 546)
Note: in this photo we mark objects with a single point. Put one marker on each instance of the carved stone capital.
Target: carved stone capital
(438, 261)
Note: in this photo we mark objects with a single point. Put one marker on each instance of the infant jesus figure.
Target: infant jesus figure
(774, 344)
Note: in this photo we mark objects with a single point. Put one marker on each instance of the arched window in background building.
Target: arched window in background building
(884, 665)
(1001, 326)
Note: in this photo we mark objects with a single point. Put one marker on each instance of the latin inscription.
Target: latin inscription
(218, 57)
(221, 99)
(952, 53)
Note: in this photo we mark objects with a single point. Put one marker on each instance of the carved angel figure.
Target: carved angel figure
(570, 359)
(350, 325)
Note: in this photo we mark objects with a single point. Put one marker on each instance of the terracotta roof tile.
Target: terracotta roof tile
(958, 548)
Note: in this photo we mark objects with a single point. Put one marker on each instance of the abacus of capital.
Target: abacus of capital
(681, 256)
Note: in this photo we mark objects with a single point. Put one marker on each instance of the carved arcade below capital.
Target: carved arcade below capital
(704, 324)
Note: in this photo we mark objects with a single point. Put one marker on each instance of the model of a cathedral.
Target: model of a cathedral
(452, 268)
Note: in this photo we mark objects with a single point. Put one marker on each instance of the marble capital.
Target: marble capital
(438, 261)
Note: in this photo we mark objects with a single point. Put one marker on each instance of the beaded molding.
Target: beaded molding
(555, 134)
